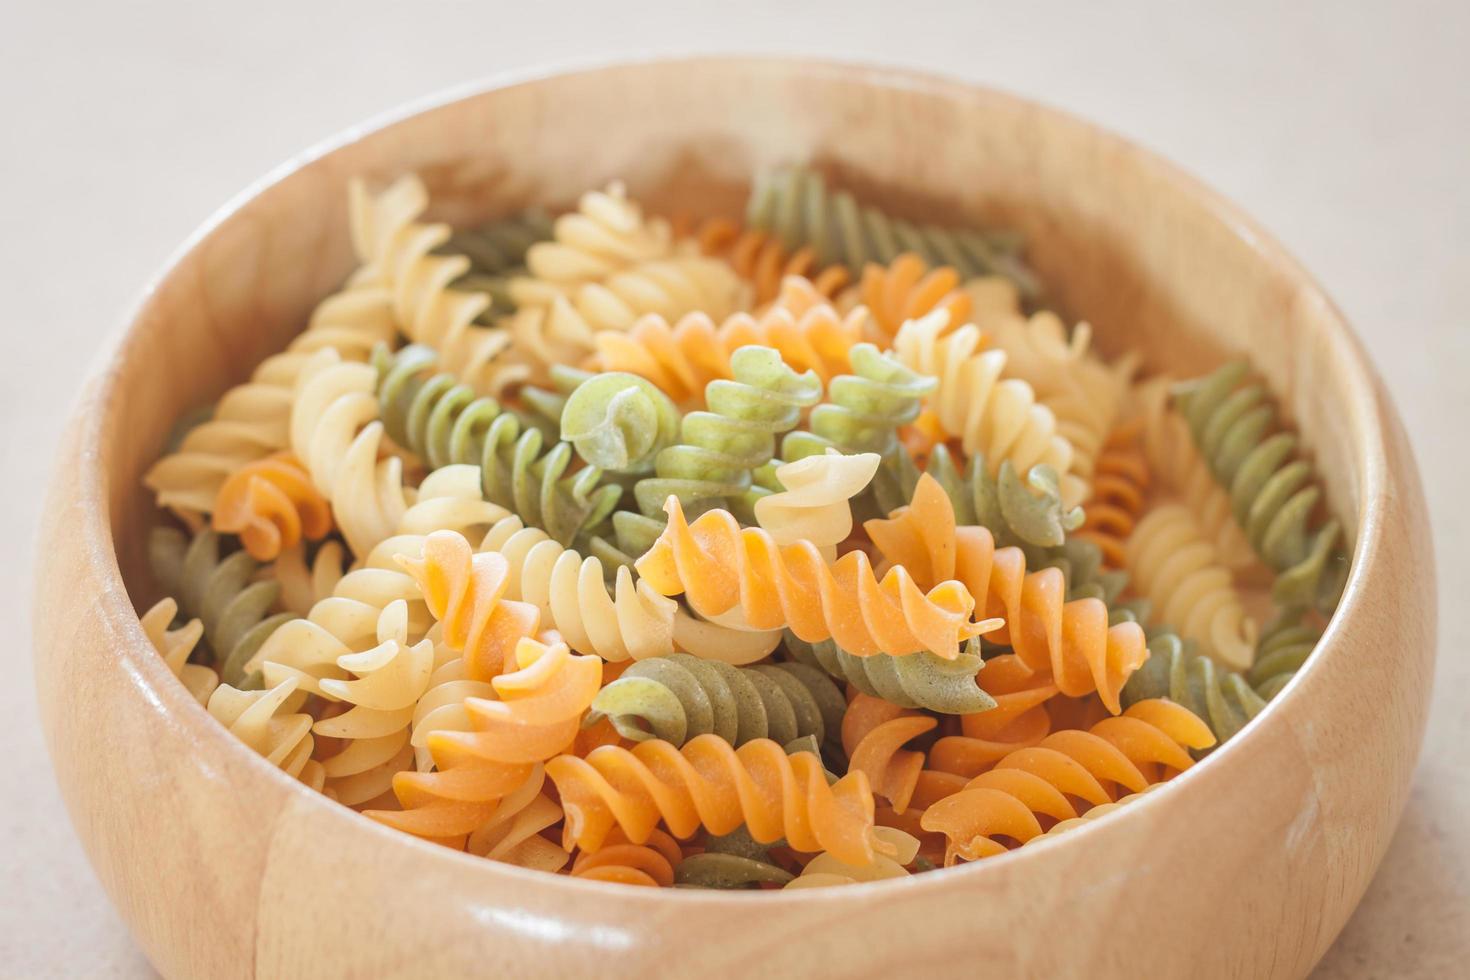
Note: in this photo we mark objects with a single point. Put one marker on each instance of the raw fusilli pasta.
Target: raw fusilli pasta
(1273, 492)
(719, 566)
(1071, 641)
(1175, 568)
(175, 646)
(679, 697)
(919, 680)
(997, 416)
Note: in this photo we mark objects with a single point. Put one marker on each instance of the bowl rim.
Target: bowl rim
(92, 410)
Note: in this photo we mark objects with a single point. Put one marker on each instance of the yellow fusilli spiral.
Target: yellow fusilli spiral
(708, 783)
(272, 724)
(563, 330)
(336, 432)
(304, 584)
(1176, 568)
(720, 566)
(815, 502)
(397, 252)
(606, 234)
(381, 686)
(252, 420)
(175, 645)
(1084, 394)
(994, 416)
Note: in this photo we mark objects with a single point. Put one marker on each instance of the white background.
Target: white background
(1344, 127)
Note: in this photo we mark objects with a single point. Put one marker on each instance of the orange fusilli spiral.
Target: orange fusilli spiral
(271, 504)
(761, 259)
(707, 783)
(1019, 719)
(651, 863)
(721, 567)
(466, 593)
(1070, 641)
(906, 289)
(684, 358)
(542, 703)
(874, 733)
(1119, 488)
(1147, 744)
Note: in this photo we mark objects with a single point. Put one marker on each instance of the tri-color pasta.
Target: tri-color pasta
(803, 552)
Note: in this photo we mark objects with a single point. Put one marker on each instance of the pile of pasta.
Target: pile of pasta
(796, 550)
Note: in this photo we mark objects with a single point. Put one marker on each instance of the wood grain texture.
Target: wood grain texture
(1245, 866)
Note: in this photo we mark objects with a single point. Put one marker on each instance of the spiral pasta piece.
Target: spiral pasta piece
(1017, 511)
(719, 448)
(1286, 643)
(826, 870)
(498, 246)
(446, 423)
(382, 685)
(863, 409)
(632, 620)
(683, 359)
(764, 261)
(1120, 486)
(919, 680)
(542, 698)
(619, 422)
(233, 606)
(398, 254)
(252, 420)
(175, 645)
(1148, 743)
(650, 864)
(606, 233)
(1274, 493)
(874, 733)
(1070, 641)
(719, 566)
(709, 783)
(335, 430)
(271, 724)
(680, 697)
(814, 502)
(1175, 568)
(1221, 697)
(556, 326)
(1175, 462)
(797, 205)
(1018, 720)
(347, 620)
(272, 505)
(999, 417)
(305, 583)
(1084, 394)
(513, 834)
(907, 289)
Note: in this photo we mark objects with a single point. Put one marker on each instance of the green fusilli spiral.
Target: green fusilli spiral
(677, 697)
(1286, 643)
(619, 422)
(1273, 491)
(445, 422)
(721, 447)
(797, 205)
(863, 410)
(1027, 513)
(729, 861)
(920, 680)
(497, 252)
(1221, 697)
(234, 608)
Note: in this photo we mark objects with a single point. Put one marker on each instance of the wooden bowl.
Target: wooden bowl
(1248, 865)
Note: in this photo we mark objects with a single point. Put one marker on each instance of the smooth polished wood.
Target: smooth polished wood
(1246, 866)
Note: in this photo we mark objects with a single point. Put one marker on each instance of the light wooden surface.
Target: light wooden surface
(1414, 928)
